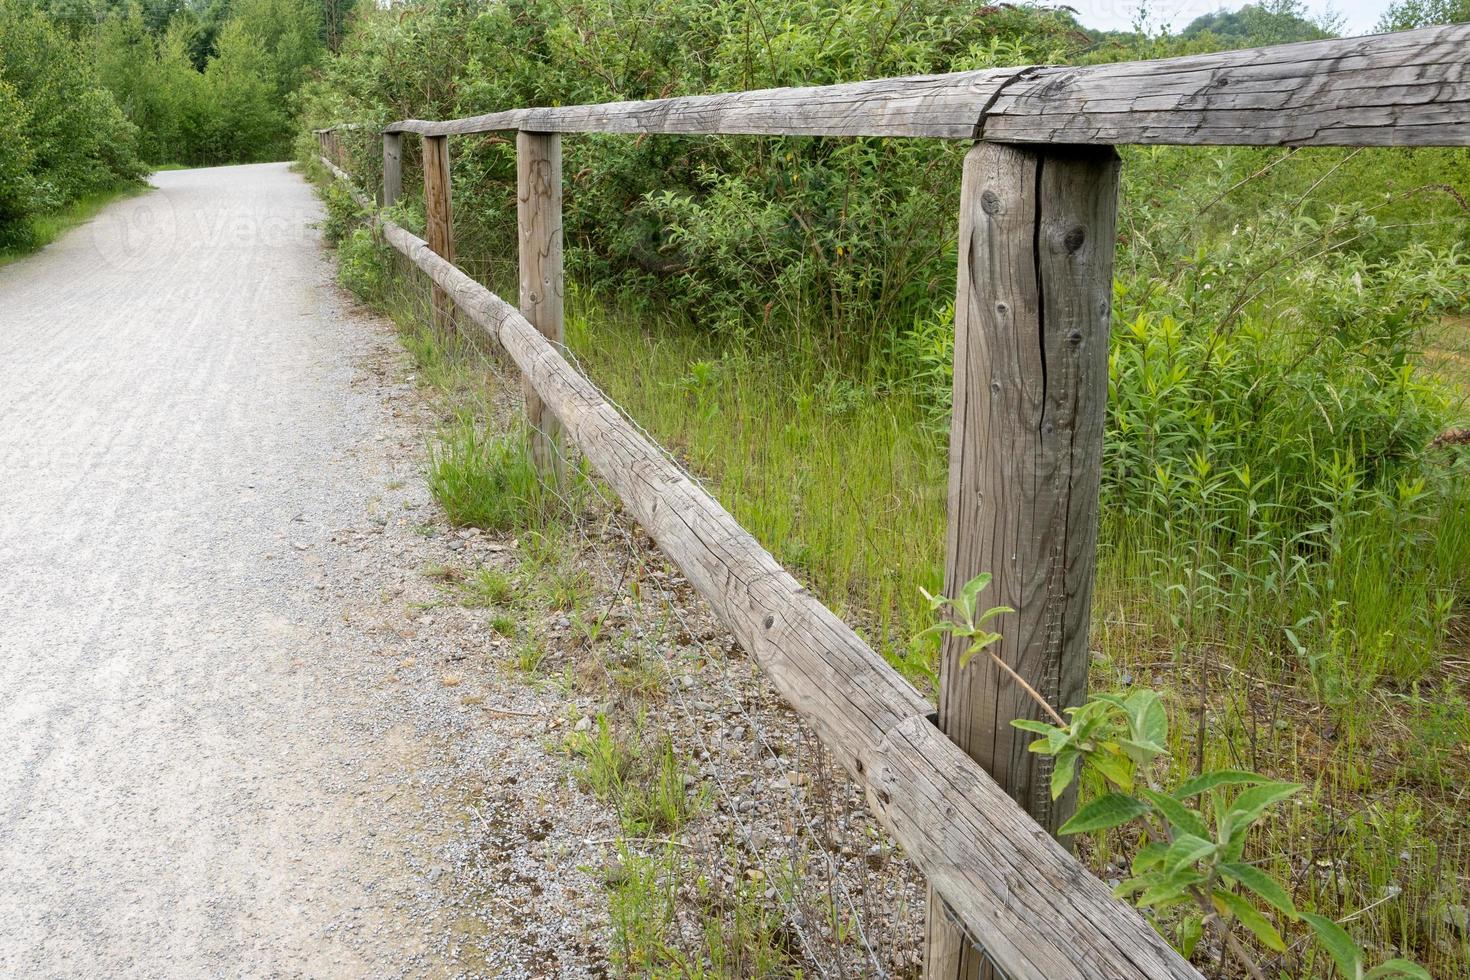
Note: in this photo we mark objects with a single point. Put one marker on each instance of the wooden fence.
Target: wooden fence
(1038, 207)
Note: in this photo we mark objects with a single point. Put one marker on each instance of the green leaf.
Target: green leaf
(1146, 716)
(978, 641)
(1149, 856)
(1221, 777)
(1179, 816)
(1170, 890)
(1132, 886)
(1185, 851)
(936, 602)
(1117, 767)
(1191, 927)
(1268, 888)
(1346, 953)
(1398, 968)
(1066, 767)
(1230, 903)
(1031, 725)
(991, 613)
(974, 587)
(1142, 753)
(1249, 805)
(1106, 811)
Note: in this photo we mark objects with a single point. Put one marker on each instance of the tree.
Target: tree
(1403, 15)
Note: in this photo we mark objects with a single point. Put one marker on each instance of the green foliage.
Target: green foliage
(964, 621)
(1270, 22)
(1405, 14)
(65, 137)
(819, 242)
(490, 481)
(1191, 870)
(641, 777)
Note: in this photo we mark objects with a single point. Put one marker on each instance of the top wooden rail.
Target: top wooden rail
(1406, 89)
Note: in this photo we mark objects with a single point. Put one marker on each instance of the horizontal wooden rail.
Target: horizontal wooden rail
(1406, 89)
(1017, 891)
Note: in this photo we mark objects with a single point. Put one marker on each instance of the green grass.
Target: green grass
(489, 480)
(839, 481)
(47, 228)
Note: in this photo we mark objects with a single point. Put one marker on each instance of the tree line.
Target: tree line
(93, 93)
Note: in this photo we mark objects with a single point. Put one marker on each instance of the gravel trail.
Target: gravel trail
(226, 747)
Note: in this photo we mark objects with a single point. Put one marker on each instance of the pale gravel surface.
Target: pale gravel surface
(226, 746)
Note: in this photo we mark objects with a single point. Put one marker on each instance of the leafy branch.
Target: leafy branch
(1192, 861)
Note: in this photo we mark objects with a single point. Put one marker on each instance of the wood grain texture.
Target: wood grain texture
(1030, 393)
(1406, 89)
(392, 168)
(1006, 880)
(1037, 227)
(1041, 913)
(538, 214)
(440, 220)
(916, 105)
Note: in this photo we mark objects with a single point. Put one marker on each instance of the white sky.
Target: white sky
(1108, 15)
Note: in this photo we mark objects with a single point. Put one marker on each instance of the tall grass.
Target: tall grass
(840, 480)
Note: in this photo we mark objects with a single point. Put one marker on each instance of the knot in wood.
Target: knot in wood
(1074, 238)
(990, 202)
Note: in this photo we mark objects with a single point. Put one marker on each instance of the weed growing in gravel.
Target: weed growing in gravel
(741, 934)
(489, 588)
(486, 480)
(529, 657)
(640, 776)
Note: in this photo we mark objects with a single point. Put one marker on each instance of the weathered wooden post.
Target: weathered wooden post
(440, 234)
(1037, 228)
(392, 168)
(538, 211)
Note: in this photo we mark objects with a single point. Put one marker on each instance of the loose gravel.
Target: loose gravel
(251, 726)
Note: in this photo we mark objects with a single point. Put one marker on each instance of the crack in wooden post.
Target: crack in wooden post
(539, 220)
(440, 233)
(1030, 390)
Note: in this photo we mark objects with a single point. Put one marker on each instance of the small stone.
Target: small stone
(1455, 917)
(584, 724)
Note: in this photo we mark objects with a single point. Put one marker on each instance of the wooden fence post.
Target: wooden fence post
(392, 168)
(1037, 230)
(538, 211)
(440, 233)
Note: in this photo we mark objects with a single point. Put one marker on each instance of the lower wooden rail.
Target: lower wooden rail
(1016, 891)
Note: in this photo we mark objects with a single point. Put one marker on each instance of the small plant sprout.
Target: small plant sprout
(963, 622)
(1190, 872)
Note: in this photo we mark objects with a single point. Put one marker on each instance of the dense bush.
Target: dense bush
(733, 232)
(230, 106)
(64, 135)
(1271, 304)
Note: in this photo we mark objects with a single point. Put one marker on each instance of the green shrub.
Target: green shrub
(65, 136)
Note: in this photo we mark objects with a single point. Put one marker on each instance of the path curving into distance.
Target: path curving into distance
(205, 766)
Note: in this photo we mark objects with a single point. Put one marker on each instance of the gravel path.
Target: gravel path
(227, 744)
